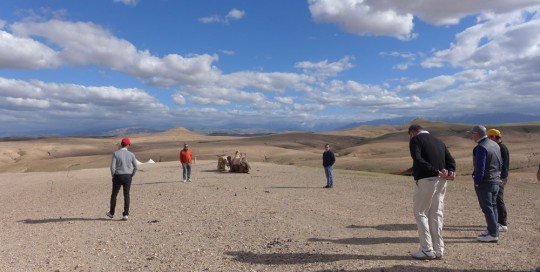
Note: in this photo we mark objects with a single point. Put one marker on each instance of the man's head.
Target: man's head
(125, 142)
(186, 146)
(326, 147)
(494, 135)
(477, 132)
(414, 129)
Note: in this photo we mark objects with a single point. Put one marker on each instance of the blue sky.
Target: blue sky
(69, 66)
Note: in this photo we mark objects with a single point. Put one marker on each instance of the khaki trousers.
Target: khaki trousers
(428, 210)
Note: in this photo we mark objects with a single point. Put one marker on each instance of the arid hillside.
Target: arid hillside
(381, 149)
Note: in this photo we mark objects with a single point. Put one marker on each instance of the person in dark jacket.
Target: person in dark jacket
(433, 165)
(328, 159)
(123, 168)
(487, 162)
(495, 135)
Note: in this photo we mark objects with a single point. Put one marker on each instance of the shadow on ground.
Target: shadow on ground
(368, 240)
(412, 268)
(303, 258)
(306, 258)
(412, 227)
(58, 220)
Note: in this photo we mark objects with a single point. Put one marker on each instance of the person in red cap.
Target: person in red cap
(123, 168)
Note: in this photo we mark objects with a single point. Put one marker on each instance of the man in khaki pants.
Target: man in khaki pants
(432, 166)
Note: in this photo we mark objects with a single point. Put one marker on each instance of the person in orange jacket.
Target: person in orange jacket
(186, 158)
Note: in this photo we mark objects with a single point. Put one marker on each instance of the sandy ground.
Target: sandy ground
(277, 218)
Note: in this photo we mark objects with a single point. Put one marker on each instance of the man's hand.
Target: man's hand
(443, 173)
(451, 175)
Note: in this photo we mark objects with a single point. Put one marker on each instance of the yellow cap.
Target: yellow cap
(493, 132)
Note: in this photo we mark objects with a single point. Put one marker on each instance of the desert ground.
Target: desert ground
(55, 192)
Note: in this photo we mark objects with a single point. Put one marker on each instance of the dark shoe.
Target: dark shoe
(326, 186)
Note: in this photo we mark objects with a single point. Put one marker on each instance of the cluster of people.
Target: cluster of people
(123, 168)
(433, 166)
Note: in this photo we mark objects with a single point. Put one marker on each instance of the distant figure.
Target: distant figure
(186, 158)
(538, 179)
(495, 135)
(432, 166)
(538, 173)
(487, 162)
(328, 159)
(123, 168)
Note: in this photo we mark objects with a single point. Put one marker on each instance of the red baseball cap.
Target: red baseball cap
(125, 141)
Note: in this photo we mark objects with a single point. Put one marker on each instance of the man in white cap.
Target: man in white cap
(123, 168)
(495, 135)
(487, 162)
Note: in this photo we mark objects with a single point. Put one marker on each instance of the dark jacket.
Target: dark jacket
(328, 158)
(429, 155)
(487, 162)
(506, 160)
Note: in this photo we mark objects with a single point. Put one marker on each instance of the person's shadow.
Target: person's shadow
(59, 220)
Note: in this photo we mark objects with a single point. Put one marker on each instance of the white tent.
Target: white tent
(150, 161)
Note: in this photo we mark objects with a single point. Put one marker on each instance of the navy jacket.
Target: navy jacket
(328, 158)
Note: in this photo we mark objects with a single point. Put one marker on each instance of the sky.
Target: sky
(69, 66)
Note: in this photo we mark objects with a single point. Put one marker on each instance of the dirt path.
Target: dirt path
(278, 218)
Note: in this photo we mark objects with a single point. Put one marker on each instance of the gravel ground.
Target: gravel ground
(277, 218)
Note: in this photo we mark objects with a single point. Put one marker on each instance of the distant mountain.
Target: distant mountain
(127, 131)
(235, 131)
(484, 119)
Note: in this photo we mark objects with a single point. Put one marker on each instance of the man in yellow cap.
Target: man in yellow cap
(495, 135)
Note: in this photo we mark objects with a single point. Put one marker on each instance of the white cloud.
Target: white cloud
(227, 52)
(395, 17)
(25, 53)
(89, 44)
(127, 2)
(83, 99)
(502, 40)
(431, 85)
(233, 14)
(325, 69)
(359, 17)
(211, 19)
(285, 100)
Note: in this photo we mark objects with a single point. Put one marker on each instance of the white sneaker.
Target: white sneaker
(109, 214)
(125, 217)
(184, 180)
(189, 180)
(423, 255)
(488, 239)
(483, 233)
(438, 255)
(503, 228)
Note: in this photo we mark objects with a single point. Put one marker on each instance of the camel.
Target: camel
(223, 164)
(239, 163)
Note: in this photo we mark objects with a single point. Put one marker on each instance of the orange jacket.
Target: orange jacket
(186, 156)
